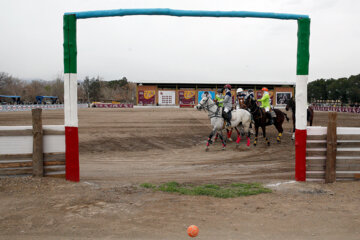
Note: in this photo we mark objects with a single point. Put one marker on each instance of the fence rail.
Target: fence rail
(20, 153)
(346, 152)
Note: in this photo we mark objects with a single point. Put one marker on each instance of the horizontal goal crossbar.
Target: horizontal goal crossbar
(184, 13)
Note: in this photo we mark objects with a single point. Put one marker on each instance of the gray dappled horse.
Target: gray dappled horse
(217, 121)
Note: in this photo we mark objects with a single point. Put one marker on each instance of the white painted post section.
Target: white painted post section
(70, 100)
(301, 102)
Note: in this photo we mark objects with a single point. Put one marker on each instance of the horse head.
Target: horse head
(250, 103)
(205, 101)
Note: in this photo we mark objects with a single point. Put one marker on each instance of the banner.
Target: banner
(112, 105)
(337, 109)
(282, 97)
(146, 97)
(15, 108)
(187, 97)
(200, 95)
(166, 97)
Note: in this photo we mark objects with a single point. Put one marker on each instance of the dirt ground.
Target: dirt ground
(122, 148)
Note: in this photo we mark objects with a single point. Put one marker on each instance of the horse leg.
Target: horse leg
(280, 130)
(216, 137)
(238, 135)
(263, 127)
(229, 132)
(246, 129)
(293, 134)
(256, 134)
(222, 141)
(209, 139)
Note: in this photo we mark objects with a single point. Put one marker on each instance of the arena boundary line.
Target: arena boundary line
(70, 74)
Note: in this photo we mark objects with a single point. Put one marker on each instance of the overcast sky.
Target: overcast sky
(146, 48)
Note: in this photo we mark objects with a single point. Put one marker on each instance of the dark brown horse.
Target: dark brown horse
(290, 104)
(261, 120)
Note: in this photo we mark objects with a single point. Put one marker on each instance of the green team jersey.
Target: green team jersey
(219, 98)
(265, 100)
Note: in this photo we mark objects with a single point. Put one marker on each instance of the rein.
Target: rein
(207, 107)
(257, 109)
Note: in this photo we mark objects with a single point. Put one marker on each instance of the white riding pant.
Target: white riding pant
(267, 109)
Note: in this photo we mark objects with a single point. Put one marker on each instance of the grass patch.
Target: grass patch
(148, 185)
(225, 191)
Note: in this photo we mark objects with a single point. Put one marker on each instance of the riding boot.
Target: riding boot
(228, 120)
(271, 121)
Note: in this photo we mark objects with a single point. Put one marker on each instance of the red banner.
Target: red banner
(146, 97)
(337, 109)
(112, 105)
(187, 97)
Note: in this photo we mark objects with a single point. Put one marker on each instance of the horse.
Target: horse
(217, 121)
(290, 103)
(240, 104)
(260, 119)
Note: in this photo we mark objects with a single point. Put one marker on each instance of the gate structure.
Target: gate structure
(70, 77)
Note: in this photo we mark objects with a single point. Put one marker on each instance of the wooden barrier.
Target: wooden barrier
(38, 151)
(333, 153)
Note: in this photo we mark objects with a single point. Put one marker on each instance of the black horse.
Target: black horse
(261, 120)
(290, 104)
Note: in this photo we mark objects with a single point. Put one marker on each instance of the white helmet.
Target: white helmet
(239, 90)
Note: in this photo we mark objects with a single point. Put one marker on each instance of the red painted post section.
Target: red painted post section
(72, 154)
(300, 155)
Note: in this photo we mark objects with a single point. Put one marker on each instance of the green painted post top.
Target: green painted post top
(70, 51)
(303, 52)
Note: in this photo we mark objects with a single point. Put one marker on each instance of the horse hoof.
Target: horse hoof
(237, 145)
(230, 139)
(268, 143)
(206, 149)
(278, 141)
(223, 148)
(255, 144)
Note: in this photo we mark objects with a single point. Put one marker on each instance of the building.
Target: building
(188, 94)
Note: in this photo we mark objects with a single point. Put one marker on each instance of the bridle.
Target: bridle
(208, 106)
(252, 107)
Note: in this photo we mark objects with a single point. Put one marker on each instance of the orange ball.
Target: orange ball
(193, 231)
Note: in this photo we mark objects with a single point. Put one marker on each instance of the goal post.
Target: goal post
(70, 74)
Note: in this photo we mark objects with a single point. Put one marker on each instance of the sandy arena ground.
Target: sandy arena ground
(122, 148)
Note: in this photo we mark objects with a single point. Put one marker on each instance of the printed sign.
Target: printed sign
(187, 97)
(146, 97)
(166, 97)
(200, 95)
(282, 97)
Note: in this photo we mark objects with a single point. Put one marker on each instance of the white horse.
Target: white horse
(217, 121)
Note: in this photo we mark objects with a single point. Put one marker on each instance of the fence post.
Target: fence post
(37, 157)
(330, 165)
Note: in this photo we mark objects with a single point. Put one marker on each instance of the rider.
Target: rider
(250, 94)
(227, 101)
(265, 103)
(240, 98)
(219, 97)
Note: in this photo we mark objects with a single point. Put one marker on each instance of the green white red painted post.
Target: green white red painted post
(70, 100)
(302, 72)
